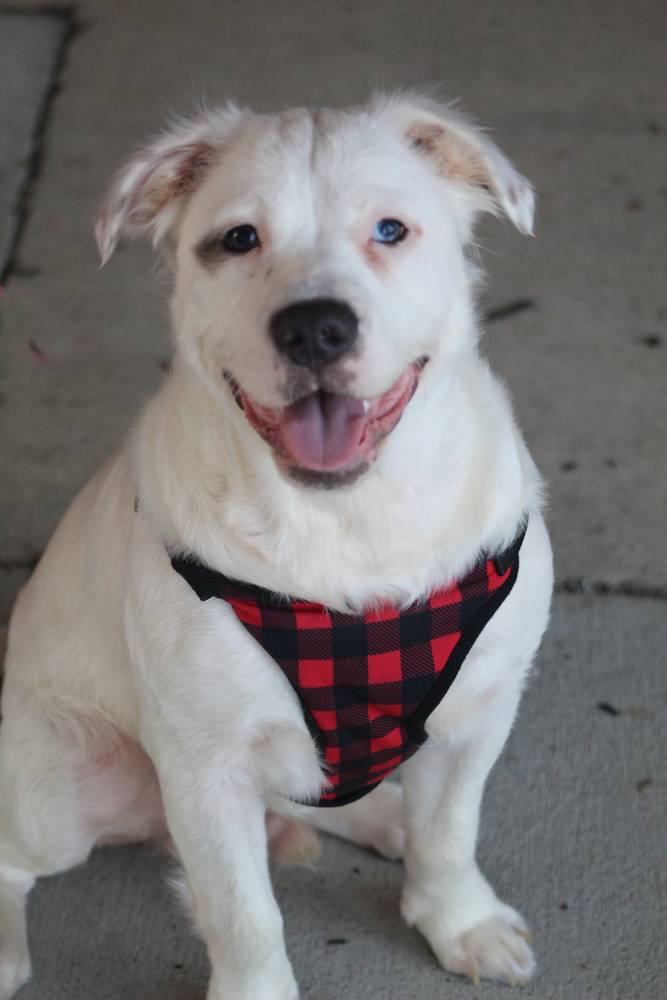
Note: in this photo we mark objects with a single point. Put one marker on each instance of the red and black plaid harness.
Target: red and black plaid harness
(367, 683)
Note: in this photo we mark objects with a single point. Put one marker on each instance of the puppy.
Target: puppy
(320, 555)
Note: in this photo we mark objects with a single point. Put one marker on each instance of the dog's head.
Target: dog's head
(319, 261)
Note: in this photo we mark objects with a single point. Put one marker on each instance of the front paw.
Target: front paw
(253, 981)
(493, 945)
(14, 969)
(497, 948)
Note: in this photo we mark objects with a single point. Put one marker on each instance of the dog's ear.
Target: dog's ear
(462, 153)
(152, 188)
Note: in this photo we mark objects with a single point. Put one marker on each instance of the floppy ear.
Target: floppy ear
(461, 152)
(151, 189)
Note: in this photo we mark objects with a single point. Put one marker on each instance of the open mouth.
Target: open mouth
(326, 438)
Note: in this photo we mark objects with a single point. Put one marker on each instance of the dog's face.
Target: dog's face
(319, 263)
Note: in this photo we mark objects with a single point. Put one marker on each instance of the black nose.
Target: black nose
(315, 332)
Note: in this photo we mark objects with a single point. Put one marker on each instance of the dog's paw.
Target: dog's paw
(14, 958)
(291, 841)
(480, 937)
(14, 968)
(497, 948)
(259, 984)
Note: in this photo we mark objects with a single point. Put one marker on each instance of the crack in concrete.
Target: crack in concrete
(7, 565)
(22, 206)
(509, 309)
(602, 588)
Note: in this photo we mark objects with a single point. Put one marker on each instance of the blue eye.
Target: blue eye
(241, 239)
(389, 231)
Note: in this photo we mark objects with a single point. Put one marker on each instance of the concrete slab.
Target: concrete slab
(30, 45)
(573, 835)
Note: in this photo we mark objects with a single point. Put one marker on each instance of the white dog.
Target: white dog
(329, 436)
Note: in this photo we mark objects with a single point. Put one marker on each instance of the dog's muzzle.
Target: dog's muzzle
(326, 439)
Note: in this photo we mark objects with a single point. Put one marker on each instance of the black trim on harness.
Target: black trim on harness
(208, 583)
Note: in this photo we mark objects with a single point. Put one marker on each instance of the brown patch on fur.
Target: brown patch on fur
(172, 177)
(375, 257)
(210, 252)
(426, 137)
(455, 158)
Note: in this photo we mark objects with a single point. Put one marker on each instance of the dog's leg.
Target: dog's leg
(40, 832)
(374, 821)
(68, 780)
(446, 896)
(218, 826)
(15, 884)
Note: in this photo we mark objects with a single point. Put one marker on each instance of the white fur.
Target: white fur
(117, 674)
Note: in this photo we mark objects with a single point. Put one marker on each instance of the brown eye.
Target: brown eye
(241, 239)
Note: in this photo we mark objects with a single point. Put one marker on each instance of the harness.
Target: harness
(367, 683)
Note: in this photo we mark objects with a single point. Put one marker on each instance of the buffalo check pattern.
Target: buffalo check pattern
(367, 683)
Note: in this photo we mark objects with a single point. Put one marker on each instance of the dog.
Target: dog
(321, 553)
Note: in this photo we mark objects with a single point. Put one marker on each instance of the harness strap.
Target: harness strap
(367, 683)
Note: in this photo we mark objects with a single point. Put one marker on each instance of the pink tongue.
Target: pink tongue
(323, 431)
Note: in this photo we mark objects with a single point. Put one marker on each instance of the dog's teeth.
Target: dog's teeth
(367, 405)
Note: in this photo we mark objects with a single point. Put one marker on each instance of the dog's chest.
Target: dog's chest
(367, 683)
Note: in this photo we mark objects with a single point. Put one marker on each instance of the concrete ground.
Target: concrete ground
(574, 820)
